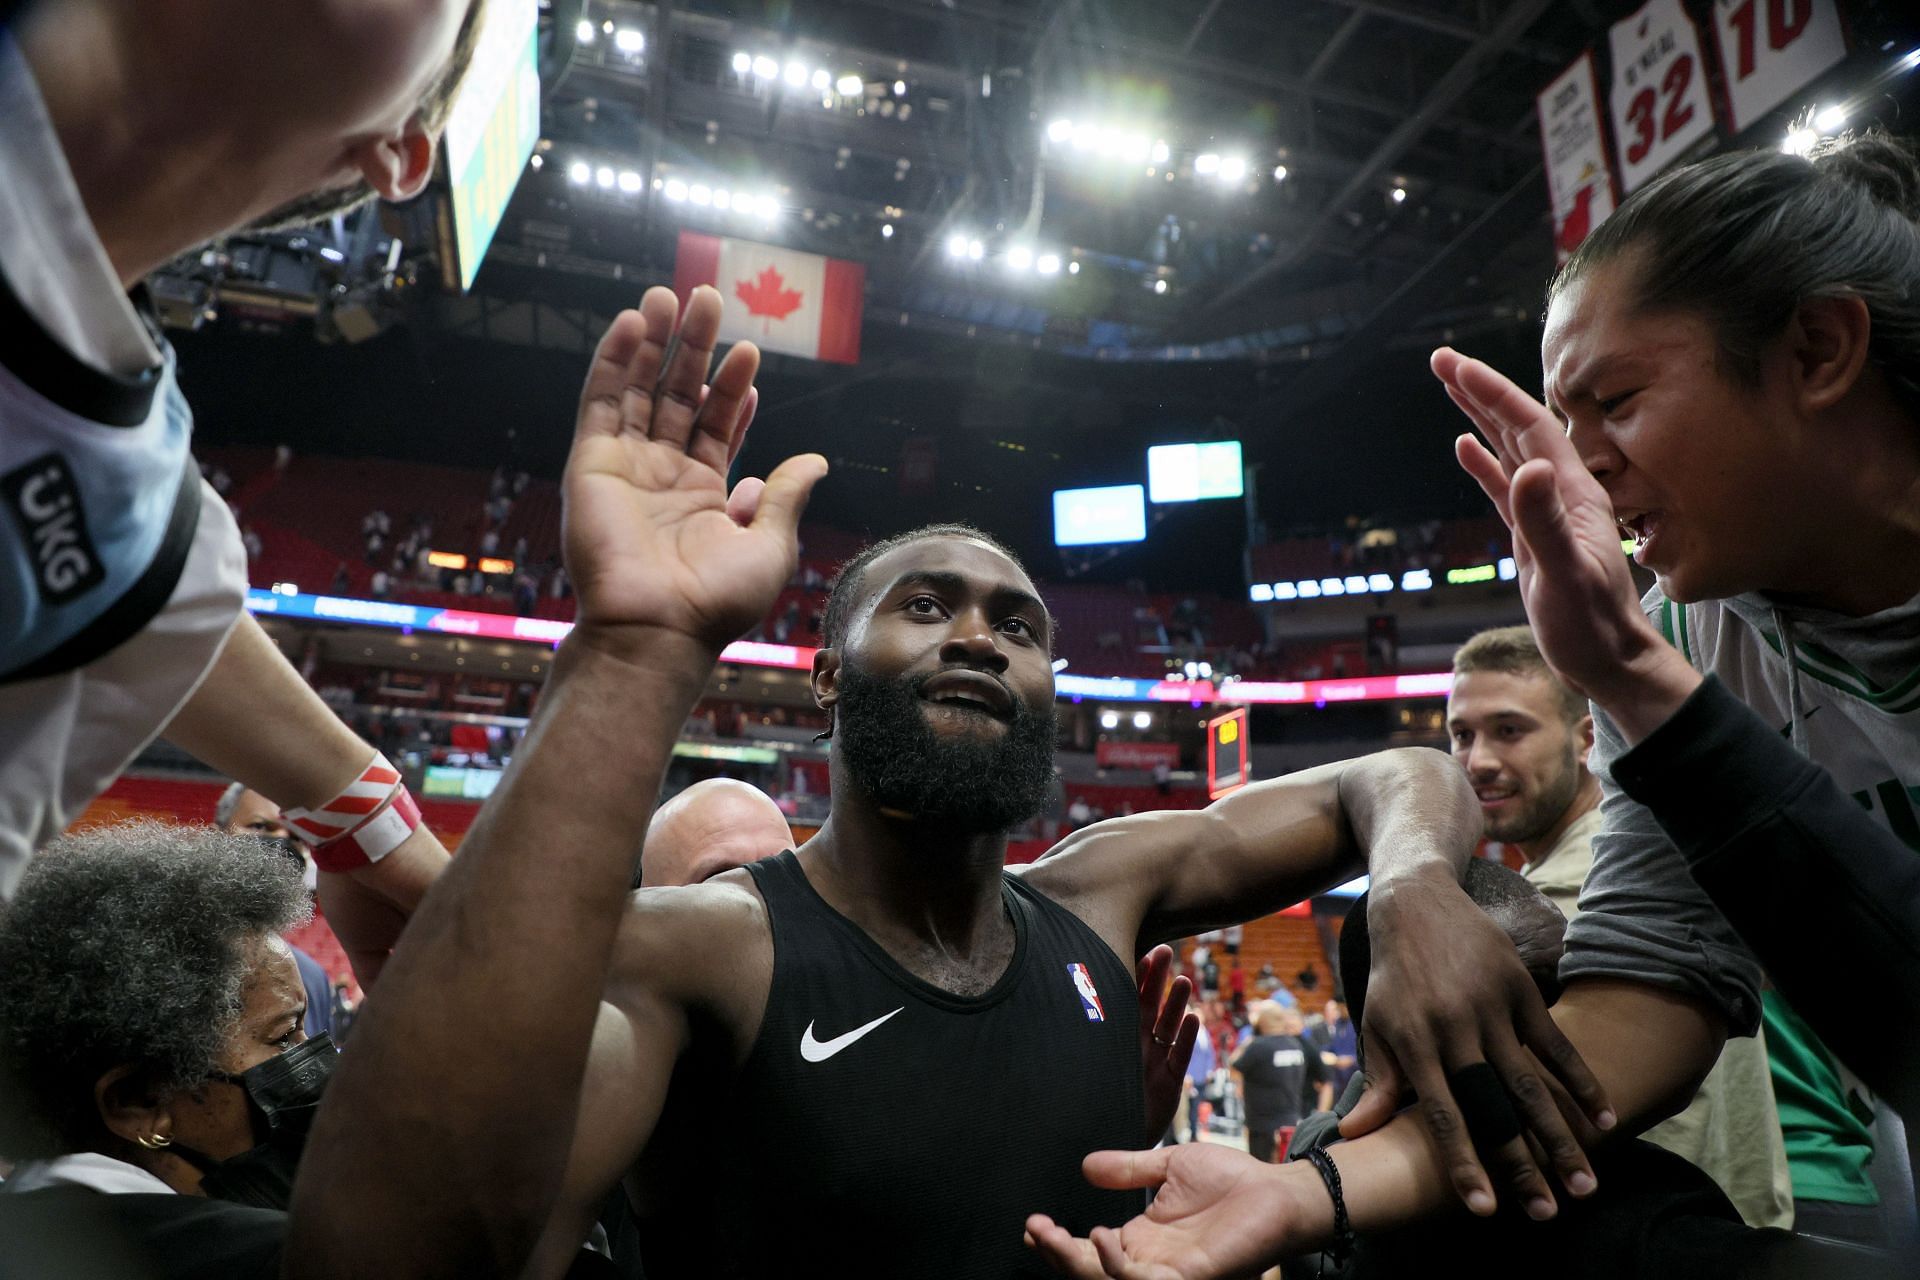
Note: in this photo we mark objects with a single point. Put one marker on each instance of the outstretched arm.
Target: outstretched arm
(1221, 1213)
(1447, 990)
(442, 1143)
(254, 719)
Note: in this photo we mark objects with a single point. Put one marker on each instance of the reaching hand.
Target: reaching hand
(652, 538)
(1447, 991)
(1578, 591)
(1219, 1213)
(1167, 1033)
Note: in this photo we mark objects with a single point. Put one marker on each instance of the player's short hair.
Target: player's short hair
(1513, 651)
(843, 597)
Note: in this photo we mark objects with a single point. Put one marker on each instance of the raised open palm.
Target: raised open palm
(1578, 591)
(651, 538)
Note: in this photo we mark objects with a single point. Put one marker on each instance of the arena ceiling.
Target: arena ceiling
(1271, 210)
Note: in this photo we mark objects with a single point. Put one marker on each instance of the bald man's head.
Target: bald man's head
(712, 826)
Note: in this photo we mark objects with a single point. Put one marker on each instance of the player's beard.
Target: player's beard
(972, 783)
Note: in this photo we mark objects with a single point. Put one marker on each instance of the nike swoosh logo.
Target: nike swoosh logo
(819, 1051)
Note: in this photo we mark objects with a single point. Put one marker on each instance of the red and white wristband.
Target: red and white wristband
(361, 825)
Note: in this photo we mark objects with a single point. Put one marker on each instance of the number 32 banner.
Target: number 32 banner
(1659, 100)
(1770, 48)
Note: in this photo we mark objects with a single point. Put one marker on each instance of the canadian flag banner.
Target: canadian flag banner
(799, 304)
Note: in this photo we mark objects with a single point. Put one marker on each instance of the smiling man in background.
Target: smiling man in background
(1523, 738)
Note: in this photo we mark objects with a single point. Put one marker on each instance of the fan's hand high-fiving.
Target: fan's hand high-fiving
(653, 540)
(1579, 594)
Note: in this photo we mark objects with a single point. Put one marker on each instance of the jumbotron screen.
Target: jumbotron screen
(492, 129)
(1096, 517)
(1194, 472)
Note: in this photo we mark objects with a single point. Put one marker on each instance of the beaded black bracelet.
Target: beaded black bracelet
(1342, 1229)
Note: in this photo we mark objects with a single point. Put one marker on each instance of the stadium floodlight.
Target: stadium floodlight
(1109, 719)
(1399, 195)
(1107, 142)
(630, 40)
(1507, 569)
(629, 181)
(1830, 120)
(886, 231)
(1233, 169)
(1143, 719)
(1135, 148)
(742, 62)
(604, 176)
(850, 85)
(1380, 581)
(1059, 130)
(676, 190)
(1073, 268)
(796, 75)
(976, 250)
(1416, 580)
(537, 160)
(1260, 592)
(1285, 591)
(1800, 142)
(768, 208)
(1357, 585)
(722, 198)
(1162, 152)
(1207, 162)
(1019, 258)
(700, 193)
(1332, 587)
(1159, 286)
(821, 79)
(956, 246)
(1047, 264)
(1279, 173)
(580, 173)
(583, 32)
(766, 68)
(899, 88)
(1307, 589)
(1909, 62)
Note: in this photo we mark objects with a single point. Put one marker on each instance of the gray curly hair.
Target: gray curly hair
(124, 945)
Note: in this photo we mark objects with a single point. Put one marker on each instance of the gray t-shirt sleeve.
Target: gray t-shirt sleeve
(1644, 918)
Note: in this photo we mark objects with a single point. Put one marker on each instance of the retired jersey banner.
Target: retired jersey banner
(799, 304)
(1771, 49)
(1659, 99)
(1572, 133)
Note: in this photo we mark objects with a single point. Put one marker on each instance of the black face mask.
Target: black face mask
(283, 1093)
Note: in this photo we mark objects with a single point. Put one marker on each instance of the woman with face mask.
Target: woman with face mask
(155, 1076)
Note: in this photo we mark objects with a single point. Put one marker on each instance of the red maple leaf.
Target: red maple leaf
(767, 296)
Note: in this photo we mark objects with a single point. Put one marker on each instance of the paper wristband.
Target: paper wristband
(373, 839)
(362, 798)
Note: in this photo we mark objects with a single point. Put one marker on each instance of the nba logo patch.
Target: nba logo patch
(1088, 993)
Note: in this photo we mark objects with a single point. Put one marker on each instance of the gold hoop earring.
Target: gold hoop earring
(154, 1142)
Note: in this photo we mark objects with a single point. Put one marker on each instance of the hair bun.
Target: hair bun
(1877, 162)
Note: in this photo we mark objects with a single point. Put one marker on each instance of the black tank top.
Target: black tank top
(883, 1127)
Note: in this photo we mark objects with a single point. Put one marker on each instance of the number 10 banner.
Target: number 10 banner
(1659, 101)
(1770, 48)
